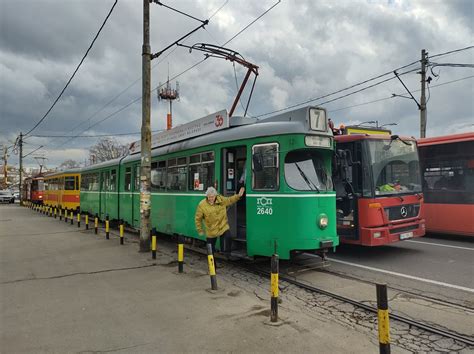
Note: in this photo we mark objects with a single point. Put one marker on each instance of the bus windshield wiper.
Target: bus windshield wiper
(306, 179)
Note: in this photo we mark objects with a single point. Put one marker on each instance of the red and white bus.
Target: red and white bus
(378, 187)
(447, 167)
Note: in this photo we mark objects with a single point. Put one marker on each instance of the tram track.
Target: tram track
(393, 316)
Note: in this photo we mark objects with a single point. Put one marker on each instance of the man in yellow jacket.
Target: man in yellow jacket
(213, 211)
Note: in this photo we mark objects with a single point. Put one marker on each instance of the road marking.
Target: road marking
(405, 276)
(441, 245)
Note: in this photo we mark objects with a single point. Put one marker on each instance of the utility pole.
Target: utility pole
(424, 61)
(5, 167)
(20, 143)
(145, 171)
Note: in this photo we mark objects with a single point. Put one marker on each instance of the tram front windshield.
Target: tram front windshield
(395, 166)
(306, 170)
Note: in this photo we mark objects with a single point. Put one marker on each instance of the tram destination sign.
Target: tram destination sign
(208, 124)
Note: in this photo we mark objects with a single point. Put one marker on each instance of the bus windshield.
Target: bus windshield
(395, 166)
(305, 170)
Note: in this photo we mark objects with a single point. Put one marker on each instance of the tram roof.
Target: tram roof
(63, 172)
(446, 139)
(292, 122)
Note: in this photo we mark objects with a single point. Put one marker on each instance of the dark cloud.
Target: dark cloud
(304, 49)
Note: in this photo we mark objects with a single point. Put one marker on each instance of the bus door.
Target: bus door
(136, 196)
(347, 180)
(233, 178)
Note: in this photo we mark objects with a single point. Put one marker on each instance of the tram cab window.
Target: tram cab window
(128, 179)
(69, 183)
(265, 167)
(305, 170)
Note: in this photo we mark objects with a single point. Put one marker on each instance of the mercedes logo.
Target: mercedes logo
(403, 212)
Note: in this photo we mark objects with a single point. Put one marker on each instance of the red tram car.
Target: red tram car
(33, 189)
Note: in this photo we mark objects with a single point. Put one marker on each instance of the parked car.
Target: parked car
(6, 196)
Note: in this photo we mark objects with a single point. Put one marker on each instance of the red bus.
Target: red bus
(377, 180)
(447, 166)
(33, 189)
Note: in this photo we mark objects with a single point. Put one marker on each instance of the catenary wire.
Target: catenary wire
(75, 71)
(172, 78)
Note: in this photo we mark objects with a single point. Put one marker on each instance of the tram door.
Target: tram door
(233, 178)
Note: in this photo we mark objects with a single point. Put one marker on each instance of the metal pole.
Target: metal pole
(423, 96)
(383, 319)
(21, 167)
(145, 171)
(274, 289)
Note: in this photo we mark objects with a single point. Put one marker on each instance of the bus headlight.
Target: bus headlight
(323, 221)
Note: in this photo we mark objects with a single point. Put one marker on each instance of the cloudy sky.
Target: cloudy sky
(304, 49)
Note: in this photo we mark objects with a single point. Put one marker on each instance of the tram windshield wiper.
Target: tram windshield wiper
(310, 184)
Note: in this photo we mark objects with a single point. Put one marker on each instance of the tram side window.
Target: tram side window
(265, 167)
(128, 179)
(158, 175)
(177, 174)
(77, 183)
(85, 182)
(94, 182)
(113, 181)
(69, 183)
(201, 171)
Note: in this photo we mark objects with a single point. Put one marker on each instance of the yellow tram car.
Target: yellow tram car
(62, 189)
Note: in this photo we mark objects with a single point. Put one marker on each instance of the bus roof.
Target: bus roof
(357, 137)
(446, 139)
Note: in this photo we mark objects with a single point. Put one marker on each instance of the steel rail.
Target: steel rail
(436, 330)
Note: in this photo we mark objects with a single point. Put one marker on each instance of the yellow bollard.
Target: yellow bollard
(212, 268)
(153, 244)
(79, 219)
(383, 319)
(121, 232)
(87, 221)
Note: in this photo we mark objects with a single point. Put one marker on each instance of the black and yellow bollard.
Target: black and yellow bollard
(212, 267)
(55, 213)
(121, 232)
(383, 319)
(79, 218)
(96, 224)
(65, 214)
(87, 221)
(180, 253)
(107, 231)
(72, 217)
(274, 289)
(153, 243)
(60, 214)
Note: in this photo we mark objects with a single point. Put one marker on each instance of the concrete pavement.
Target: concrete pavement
(64, 290)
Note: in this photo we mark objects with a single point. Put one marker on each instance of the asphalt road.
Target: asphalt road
(437, 264)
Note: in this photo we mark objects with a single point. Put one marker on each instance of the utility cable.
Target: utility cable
(451, 52)
(172, 78)
(75, 71)
(393, 96)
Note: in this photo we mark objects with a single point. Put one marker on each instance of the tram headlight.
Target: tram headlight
(323, 221)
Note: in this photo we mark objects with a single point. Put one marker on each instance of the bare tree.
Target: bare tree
(68, 164)
(107, 149)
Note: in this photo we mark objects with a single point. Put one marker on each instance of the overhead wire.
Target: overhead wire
(75, 71)
(172, 78)
(391, 97)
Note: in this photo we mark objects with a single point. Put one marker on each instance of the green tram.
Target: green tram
(283, 161)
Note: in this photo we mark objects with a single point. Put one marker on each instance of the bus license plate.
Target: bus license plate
(406, 235)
